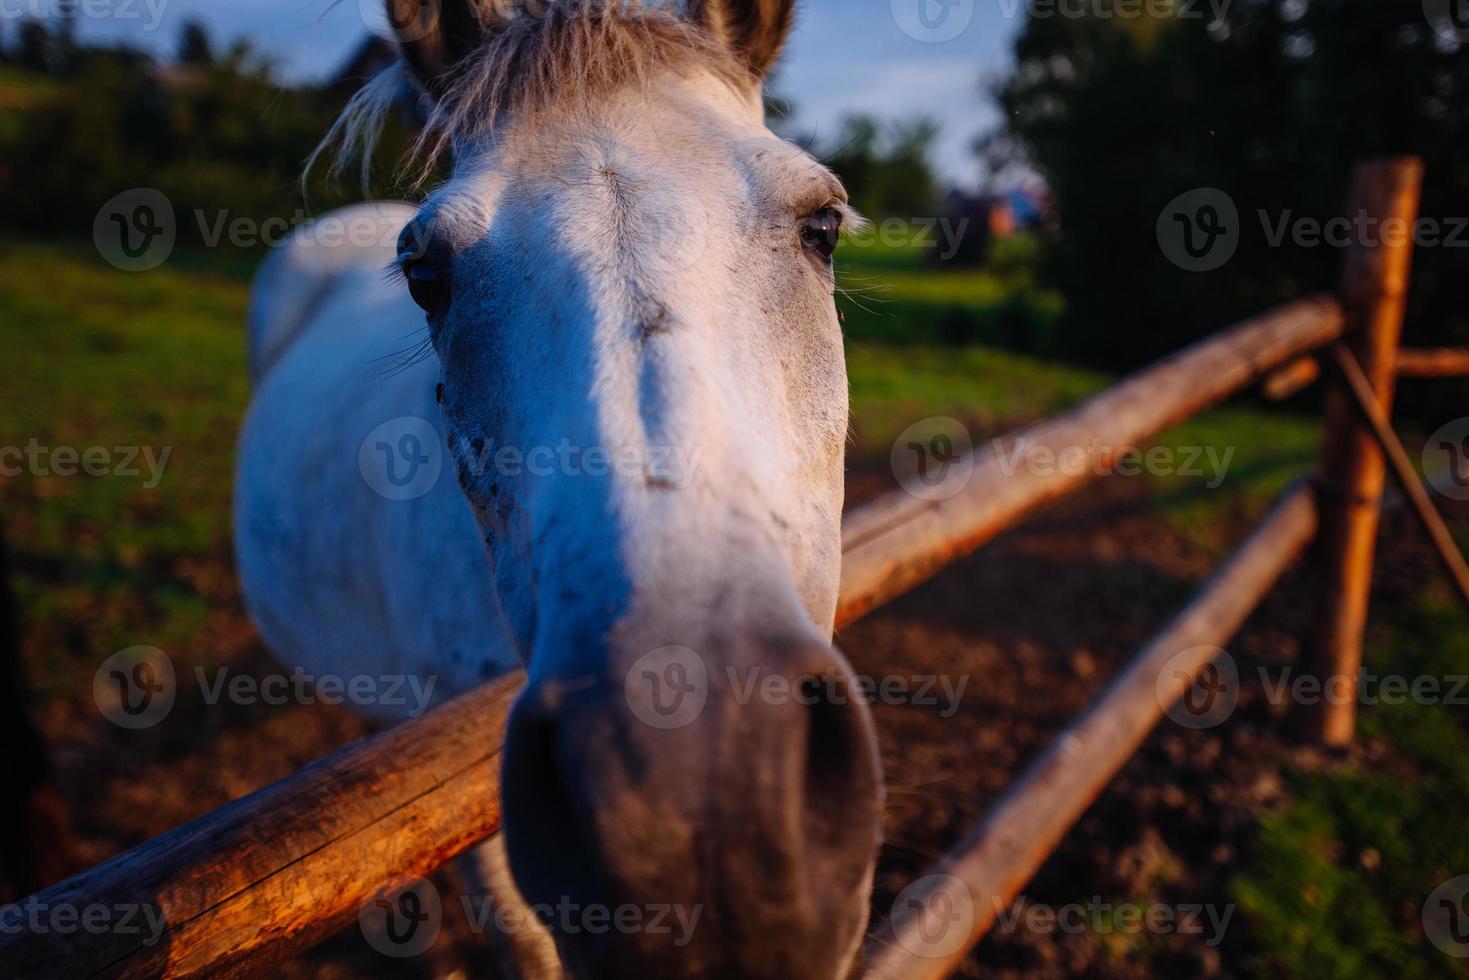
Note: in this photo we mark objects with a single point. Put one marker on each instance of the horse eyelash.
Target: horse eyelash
(394, 364)
(852, 219)
(395, 273)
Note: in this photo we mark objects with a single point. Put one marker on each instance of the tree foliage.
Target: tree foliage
(1273, 105)
(886, 167)
(218, 133)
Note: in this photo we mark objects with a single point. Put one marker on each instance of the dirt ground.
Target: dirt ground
(1036, 623)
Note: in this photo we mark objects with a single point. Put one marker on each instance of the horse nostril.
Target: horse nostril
(841, 767)
(548, 847)
(758, 816)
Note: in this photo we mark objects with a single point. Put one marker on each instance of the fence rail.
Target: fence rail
(275, 872)
(893, 544)
(1443, 362)
(271, 874)
(982, 875)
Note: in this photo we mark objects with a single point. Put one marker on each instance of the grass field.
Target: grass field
(100, 358)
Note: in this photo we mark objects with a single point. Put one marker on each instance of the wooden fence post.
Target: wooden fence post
(1383, 209)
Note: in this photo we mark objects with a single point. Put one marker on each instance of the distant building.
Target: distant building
(987, 218)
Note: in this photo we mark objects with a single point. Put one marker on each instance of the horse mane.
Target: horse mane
(541, 55)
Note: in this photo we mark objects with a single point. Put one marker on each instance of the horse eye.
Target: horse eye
(821, 232)
(428, 285)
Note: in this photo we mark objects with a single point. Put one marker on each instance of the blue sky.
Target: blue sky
(884, 57)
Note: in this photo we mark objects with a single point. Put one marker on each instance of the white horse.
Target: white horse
(633, 365)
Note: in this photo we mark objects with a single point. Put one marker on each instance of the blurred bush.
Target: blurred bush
(218, 133)
(887, 168)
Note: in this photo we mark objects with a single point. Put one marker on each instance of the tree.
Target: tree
(1273, 105)
(887, 168)
(194, 46)
(33, 50)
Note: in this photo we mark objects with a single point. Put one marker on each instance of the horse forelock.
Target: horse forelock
(542, 56)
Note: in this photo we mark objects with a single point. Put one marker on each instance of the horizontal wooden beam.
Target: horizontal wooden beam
(1291, 380)
(899, 541)
(984, 873)
(1441, 362)
(274, 872)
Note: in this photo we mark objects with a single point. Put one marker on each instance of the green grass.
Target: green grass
(114, 360)
(896, 294)
(986, 388)
(1314, 906)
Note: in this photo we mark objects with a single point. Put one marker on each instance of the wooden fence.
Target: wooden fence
(273, 873)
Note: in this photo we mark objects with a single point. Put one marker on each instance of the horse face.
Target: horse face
(645, 395)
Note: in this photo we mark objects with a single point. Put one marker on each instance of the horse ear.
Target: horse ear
(435, 35)
(755, 30)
